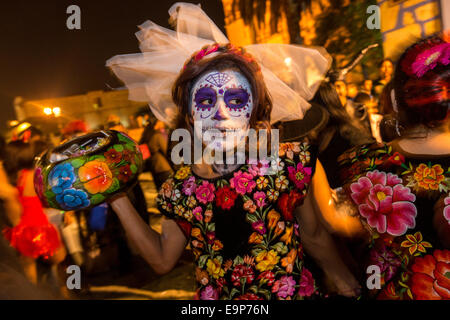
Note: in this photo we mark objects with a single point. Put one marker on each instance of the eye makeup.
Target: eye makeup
(235, 98)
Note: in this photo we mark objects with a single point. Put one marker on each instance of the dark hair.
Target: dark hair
(421, 100)
(385, 101)
(348, 128)
(18, 155)
(228, 57)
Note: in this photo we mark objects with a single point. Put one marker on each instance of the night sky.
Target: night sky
(41, 58)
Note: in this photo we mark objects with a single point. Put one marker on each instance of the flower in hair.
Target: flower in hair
(428, 59)
(205, 51)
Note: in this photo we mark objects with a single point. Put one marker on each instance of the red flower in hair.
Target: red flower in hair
(425, 57)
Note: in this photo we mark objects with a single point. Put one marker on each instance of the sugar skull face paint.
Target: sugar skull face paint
(223, 100)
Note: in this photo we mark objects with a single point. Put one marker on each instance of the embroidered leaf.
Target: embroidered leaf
(265, 293)
(211, 227)
(202, 260)
(253, 288)
(133, 168)
(251, 218)
(280, 248)
(233, 292)
(238, 260)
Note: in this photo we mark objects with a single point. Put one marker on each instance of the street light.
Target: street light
(48, 111)
(56, 111)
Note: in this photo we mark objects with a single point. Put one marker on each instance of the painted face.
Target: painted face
(223, 100)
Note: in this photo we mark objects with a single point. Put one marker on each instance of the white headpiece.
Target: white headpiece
(291, 73)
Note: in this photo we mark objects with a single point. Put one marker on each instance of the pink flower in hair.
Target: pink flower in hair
(428, 59)
(202, 53)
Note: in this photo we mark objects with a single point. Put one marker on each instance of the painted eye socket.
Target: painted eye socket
(236, 98)
(205, 98)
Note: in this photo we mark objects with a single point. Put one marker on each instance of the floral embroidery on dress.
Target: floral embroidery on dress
(273, 266)
(386, 187)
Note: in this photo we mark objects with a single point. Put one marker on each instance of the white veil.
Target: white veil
(291, 73)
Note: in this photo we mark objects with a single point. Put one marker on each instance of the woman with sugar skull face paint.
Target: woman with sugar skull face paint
(243, 221)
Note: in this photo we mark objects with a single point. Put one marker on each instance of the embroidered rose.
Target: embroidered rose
(242, 182)
(431, 277)
(284, 287)
(447, 209)
(205, 192)
(225, 197)
(306, 285)
(385, 203)
(209, 293)
(189, 186)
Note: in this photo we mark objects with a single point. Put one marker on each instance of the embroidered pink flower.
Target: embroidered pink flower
(189, 186)
(300, 176)
(386, 260)
(205, 192)
(385, 203)
(242, 182)
(197, 212)
(447, 209)
(428, 59)
(209, 293)
(306, 285)
(260, 198)
(259, 168)
(284, 287)
(259, 227)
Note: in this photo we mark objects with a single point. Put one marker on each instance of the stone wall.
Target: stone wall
(403, 22)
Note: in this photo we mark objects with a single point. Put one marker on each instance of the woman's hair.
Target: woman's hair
(18, 155)
(349, 128)
(422, 85)
(228, 57)
(384, 101)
